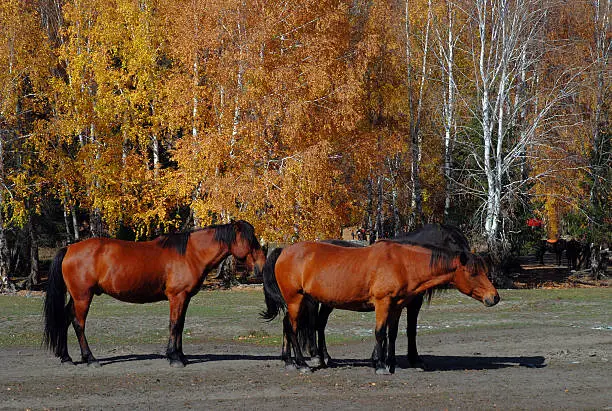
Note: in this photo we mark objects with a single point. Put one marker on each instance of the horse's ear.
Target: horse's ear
(463, 258)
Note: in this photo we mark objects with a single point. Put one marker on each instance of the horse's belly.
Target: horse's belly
(133, 291)
(354, 306)
(140, 298)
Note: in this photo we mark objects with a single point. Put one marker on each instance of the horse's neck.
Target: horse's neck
(434, 281)
(207, 251)
(440, 274)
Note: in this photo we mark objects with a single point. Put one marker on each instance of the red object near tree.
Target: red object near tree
(534, 222)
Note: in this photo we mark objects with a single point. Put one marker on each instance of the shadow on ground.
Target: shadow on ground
(453, 363)
(192, 359)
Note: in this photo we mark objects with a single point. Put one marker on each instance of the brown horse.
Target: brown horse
(171, 267)
(430, 235)
(384, 278)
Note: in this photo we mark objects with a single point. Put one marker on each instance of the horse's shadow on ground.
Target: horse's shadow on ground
(191, 359)
(432, 362)
(453, 363)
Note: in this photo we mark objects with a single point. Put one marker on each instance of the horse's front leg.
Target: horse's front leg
(379, 356)
(178, 308)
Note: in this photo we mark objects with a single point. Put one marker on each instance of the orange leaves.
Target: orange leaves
(274, 112)
(307, 196)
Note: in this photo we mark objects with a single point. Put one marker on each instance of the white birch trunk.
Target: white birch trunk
(415, 115)
(75, 223)
(155, 150)
(5, 283)
(448, 63)
(194, 112)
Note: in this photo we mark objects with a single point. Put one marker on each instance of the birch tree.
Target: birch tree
(601, 154)
(415, 107)
(447, 42)
(503, 51)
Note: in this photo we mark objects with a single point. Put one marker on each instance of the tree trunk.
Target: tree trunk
(369, 209)
(155, 150)
(378, 229)
(601, 151)
(415, 117)
(75, 223)
(33, 278)
(447, 63)
(67, 225)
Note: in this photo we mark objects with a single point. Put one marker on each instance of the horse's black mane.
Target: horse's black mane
(440, 257)
(440, 235)
(224, 233)
(178, 241)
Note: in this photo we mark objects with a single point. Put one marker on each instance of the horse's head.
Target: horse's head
(246, 247)
(471, 279)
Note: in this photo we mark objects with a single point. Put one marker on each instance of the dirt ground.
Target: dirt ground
(521, 354)
(537, 349)
(542, 368)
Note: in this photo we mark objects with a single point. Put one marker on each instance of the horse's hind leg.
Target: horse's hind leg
(286, 350)
(81, 308)
(293, 312)
(68, 315)
(322, 318)
(393, 323)
(308, 337)
(412, 312)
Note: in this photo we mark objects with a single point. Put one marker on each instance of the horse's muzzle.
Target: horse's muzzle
(491, 301)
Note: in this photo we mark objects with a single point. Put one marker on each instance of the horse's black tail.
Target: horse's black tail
(54, 311)
(274, 299)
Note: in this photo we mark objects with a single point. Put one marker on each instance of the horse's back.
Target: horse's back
(129, 271)
(308, 262)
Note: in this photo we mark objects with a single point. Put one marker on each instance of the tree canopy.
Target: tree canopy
(138, 117)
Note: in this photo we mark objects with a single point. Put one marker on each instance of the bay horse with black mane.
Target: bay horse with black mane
(171, 267)
(384, 277)
(311, 334)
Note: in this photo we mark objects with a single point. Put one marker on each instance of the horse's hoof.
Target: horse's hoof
(94, 364)
(67, 361)
(177, 364)
(305, 369)
(316, 362)
(290, 367)
(418, 365)
(383, 371)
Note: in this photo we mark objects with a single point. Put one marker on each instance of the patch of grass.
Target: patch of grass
(230, 316)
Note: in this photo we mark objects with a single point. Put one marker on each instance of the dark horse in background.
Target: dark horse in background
(384, 277)
(315, 319)
(573, 251)
(553, 246)
(171, 267)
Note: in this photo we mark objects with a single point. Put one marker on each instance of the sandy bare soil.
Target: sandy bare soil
(521, 355)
